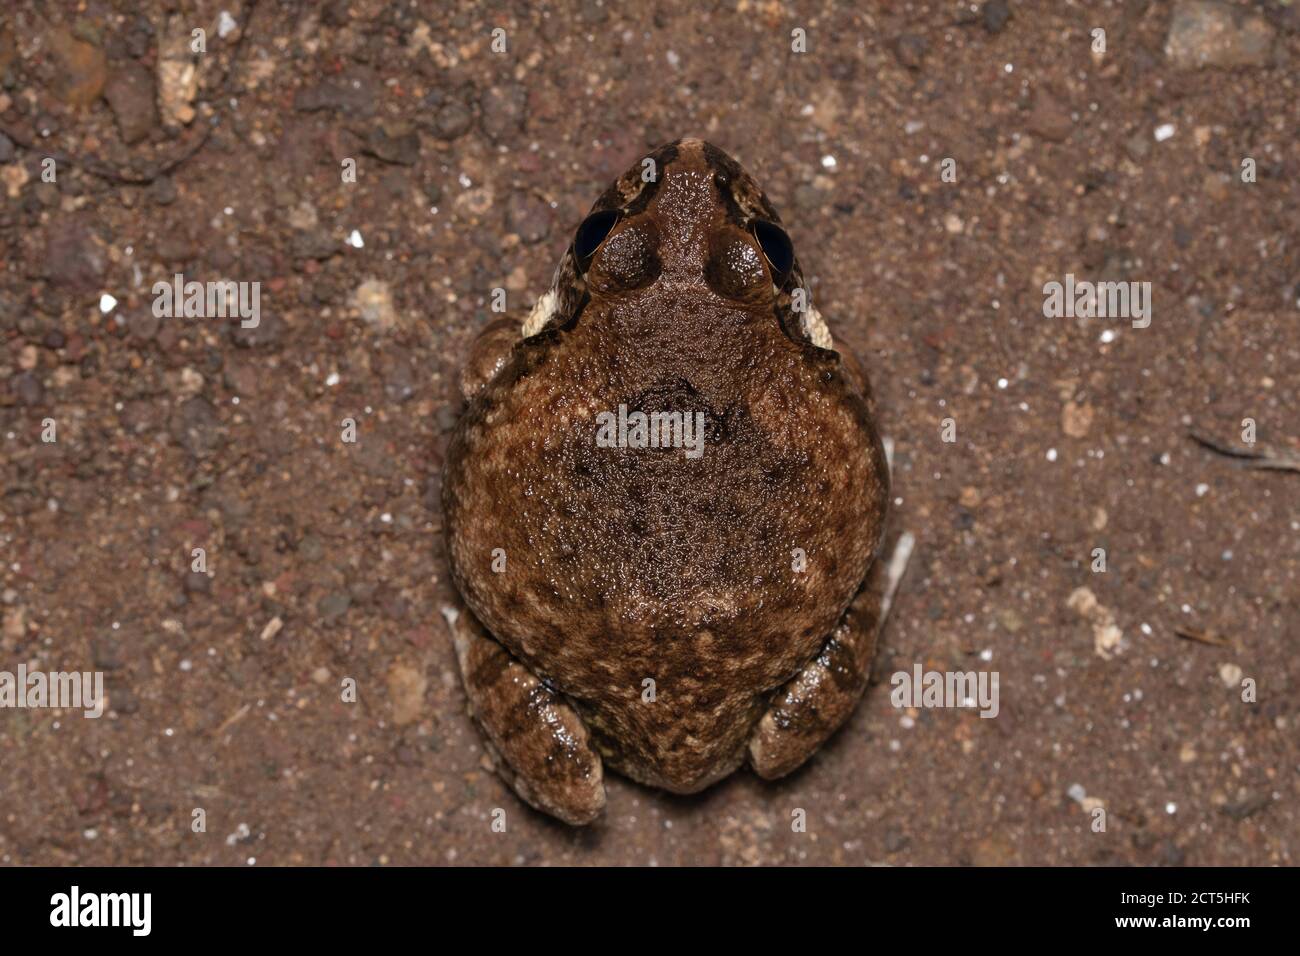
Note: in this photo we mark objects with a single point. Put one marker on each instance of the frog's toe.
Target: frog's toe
(819, 699)
(540, 744)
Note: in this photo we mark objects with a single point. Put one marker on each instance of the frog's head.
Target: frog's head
(686, 217)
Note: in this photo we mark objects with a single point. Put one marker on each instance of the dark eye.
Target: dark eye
(591, 234)
(777, 247)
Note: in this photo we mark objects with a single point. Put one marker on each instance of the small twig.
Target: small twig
(233, 719)
(97, 167)
(1262, 457)
(1202, 637)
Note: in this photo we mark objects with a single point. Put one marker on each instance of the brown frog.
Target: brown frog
(664, 502)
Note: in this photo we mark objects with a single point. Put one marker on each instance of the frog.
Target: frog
(705, 588)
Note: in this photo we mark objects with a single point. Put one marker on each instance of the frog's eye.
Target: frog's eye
(591, 234)
(627, 259)
(734, 268)
(777, 248)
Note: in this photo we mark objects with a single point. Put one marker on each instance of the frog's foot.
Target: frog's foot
(539, 743)
(817, 700)
(487, 355)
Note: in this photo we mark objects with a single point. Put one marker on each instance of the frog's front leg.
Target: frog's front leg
(492, 346)
(817, 700)
(487, 355)
(539, 742)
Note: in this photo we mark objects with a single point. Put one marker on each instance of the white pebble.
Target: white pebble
(1164, 132)
(1230, 674)
(107, 303)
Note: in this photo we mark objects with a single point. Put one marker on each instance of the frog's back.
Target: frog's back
(713, 569)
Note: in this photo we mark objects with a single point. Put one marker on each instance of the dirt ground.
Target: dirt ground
(1164, 695)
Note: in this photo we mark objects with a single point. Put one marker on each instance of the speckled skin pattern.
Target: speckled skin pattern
(628, 564)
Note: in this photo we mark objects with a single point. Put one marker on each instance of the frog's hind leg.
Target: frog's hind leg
(539, 743)
(817, 700)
